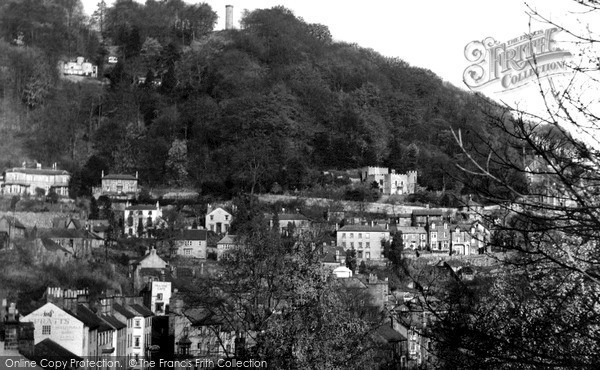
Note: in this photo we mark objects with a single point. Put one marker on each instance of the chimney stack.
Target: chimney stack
(228, 17)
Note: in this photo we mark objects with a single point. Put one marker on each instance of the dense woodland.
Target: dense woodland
(224, 112)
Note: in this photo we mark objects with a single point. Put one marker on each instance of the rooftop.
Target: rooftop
(363, 228)
(118, 176)
(35, 171)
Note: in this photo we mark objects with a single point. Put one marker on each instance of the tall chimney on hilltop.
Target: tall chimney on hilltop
(228, 17)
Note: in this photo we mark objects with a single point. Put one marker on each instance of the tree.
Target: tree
(539, 310)
(351, 259)
(362, 268)
(392, 249)
(292, 312)
(52, 196)
(177, 162)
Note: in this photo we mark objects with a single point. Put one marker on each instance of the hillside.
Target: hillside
(228, 111)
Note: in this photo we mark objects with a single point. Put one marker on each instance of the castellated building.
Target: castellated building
(390, 182)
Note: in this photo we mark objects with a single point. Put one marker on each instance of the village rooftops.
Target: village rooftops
(363, 228)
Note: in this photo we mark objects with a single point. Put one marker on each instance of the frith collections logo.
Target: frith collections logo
(515, 63)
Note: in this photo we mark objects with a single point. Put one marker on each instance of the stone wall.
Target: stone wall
(38, 219)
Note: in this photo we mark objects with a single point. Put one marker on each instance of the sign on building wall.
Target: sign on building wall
(51, 322)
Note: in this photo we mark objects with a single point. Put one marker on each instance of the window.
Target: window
(159, 296)
(367, 235)
(343, 235)
(367, 255)
(46, 330)
(136, 341)
(138, 323)
(359, 245)
(226, 217)
(187, 252)
(433, 235)
(445, 225)
(212, 217)
(352, 235)
(367, 245)
(359, 254)
(359, 235)
(352, 245)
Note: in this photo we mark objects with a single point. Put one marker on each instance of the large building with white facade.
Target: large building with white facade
(25, 181)
(367, 240)
(390, 182)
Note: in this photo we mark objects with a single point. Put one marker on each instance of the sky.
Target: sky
(428, 34)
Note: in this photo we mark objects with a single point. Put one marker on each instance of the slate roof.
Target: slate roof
(142, 207)
(228, 239)
(35, 171)
(49, 349)
(63, 233)
(292, 217)
(123, 311)
(363, 228)
(141, 310)
(14, 222)
(114, 322)
(118, 176)
(191, 234)
(411, 229)
(389, 334)
(425, 212)
(87, 316)
(51, 246)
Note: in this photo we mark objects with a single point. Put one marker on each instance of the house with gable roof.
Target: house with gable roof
(191, 243)
(149, 267)
(11, 228)
(218, 220)
(117, 187)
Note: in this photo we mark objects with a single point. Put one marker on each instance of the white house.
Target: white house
(191, 243)
(142, 219)
(366, 240)
(228, 243)
(137, 334)
(218, 220)
(342, 272)
(52, 322)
